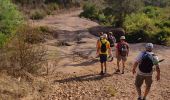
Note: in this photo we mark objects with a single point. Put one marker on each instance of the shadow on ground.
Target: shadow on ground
(90, 77)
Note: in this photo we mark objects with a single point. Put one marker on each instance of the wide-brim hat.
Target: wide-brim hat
(122, 38)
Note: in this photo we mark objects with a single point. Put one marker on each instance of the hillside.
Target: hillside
(76, 72)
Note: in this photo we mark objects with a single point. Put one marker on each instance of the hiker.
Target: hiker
(112, 40)
(122, 51)
(100, 35)
(145, 62)
(103, 49)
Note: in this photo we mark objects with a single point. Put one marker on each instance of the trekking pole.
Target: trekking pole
(161, 60)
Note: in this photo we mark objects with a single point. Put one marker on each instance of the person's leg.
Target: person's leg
(101, 67)
(105, 67)
(138, 83)
(118, 64)
(123, 64)
(148, 82)
(101, 61)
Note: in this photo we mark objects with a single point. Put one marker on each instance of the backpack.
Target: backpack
(123, 49)
(112, 41)
(103, 47)
(146, 64)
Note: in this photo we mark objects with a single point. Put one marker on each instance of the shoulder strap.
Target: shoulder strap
(150, 55)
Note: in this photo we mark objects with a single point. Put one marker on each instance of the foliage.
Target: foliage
(90, 11)
(10, 19)
(152, 12)
(38, 14)
(53, 6)
(20, 55)
(121, 8)
(163, 37)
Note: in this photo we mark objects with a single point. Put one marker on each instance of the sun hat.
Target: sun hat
(104, 35)
(122, 38)
(149, 46)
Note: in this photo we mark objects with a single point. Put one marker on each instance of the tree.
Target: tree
(122, 8)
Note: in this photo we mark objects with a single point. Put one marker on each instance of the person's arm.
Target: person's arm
(134, 67)
(128, 50)
(137, 60)
(158, 72)
(156, 63)
(97, 47)
(117, 50)
(110, 50)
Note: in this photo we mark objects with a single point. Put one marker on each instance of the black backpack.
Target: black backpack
(146, 64)
(103, 47)
(123, 49)
(112, 41)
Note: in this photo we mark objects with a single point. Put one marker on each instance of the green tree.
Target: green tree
(122, 8)
(10, 19)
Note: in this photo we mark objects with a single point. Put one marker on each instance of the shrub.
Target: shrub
(89, 11)
(152, 12)
(32, 35)
(10, 19)
(53, 6)
(37, 14)
(140, 28)
(163, 37)
(138, 36)
(3, 38)
(20, 57)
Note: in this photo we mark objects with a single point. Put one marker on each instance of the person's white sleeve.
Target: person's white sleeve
(155, 60)
(139, 57)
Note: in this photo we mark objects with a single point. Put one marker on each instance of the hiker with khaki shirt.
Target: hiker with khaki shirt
(103, 50)
(145, 62)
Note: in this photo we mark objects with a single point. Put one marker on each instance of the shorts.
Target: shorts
(139, 81)
(123, 58)
(103, 58)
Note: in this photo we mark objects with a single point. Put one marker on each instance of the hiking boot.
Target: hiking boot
(101, 73)
(139, 98)
(117, 71)
(122, 72)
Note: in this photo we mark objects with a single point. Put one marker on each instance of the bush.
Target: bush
(20, 56)
(3, 38)
(33, 35)
(10, 19)
(37, 14)
(140, 28)
(138, 36)
(163, 37)
(53, 6)
(90, 11)
(152, 12)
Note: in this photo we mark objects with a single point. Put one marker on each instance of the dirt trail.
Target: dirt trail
(75, 73)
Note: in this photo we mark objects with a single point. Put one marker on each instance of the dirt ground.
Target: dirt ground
(74, 71)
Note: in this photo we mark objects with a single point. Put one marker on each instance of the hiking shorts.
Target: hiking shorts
(103, 58)
(140, 79)
(123, 58)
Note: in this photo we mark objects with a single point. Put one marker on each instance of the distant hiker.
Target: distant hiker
(100, 35)
(111, 39)
(122, 51)
(103, 49)
(145, 62)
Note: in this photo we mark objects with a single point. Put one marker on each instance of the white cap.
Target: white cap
(149, 46)
(105, 36)
(122, 38)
